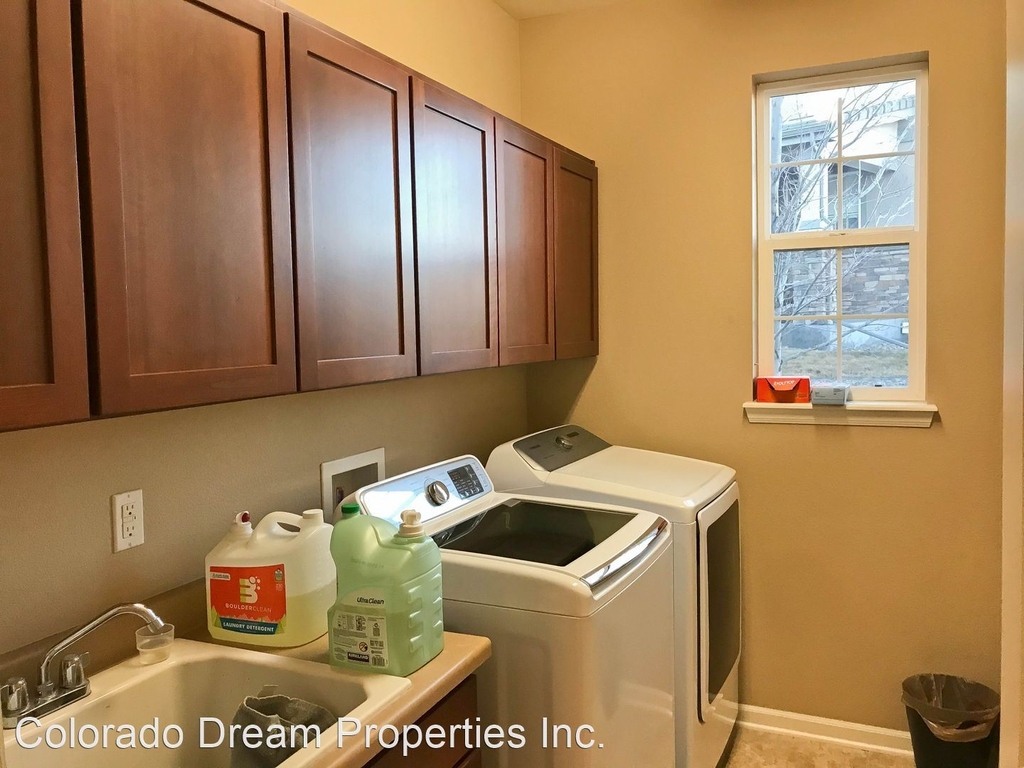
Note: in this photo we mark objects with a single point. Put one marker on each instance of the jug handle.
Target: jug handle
(275, 520)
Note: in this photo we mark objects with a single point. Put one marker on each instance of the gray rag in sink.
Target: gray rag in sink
(266, 711)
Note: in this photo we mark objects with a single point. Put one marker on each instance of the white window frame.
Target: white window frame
(915, 236)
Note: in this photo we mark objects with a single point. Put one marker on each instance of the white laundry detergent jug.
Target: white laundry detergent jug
(272, 584)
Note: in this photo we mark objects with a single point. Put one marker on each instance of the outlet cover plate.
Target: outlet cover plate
(126, 520)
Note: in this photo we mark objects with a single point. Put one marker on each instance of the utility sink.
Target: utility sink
(198, 680)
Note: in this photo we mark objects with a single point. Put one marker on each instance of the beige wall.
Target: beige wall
(198, 466)
(870, 554)
(1011, 737)
(469, 45)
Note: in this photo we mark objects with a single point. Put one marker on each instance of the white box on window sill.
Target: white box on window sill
(830, 394)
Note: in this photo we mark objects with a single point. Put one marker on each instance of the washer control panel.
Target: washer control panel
(466, 481)
(433, 491)
(559, 447)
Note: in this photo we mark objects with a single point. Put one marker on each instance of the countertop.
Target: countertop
(461, 657)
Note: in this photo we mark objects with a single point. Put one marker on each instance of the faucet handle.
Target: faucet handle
(14, 696)
(72, 670)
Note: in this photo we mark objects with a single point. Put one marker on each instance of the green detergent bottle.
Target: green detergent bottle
(388, 616)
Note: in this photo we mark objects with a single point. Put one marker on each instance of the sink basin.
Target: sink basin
(198, 680)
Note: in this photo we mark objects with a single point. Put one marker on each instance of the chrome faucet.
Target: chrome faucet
(17, 704)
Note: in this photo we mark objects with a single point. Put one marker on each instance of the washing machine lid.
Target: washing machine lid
(518, 551)
(534, 531)
(570, 462)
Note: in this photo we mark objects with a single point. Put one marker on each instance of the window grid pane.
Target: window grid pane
(824, 326)
(869, 131)
(879, 118)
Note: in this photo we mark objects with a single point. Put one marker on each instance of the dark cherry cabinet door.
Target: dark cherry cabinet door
(526, 255)
(189, 201)
(456, 237)
(575, 256)
(352, 166)
(43, 360)
(455, 708)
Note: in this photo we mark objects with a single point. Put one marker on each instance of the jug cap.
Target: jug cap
(242, 524)
(313, 514)
(411, 526)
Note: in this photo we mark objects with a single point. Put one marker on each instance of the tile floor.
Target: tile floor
(759, 749)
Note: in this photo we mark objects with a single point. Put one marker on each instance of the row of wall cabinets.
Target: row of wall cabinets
(211, 200)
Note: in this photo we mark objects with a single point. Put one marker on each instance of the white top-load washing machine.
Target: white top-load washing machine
(576, 598)
(701, 501)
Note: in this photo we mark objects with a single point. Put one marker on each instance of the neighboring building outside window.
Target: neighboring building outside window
(841, 230)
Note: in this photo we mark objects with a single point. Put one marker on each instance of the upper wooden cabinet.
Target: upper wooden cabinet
(43, 368)
(189, 200)
(526, 254)
(153, 138)
(575, 256)
(455, 230)
(353, 212)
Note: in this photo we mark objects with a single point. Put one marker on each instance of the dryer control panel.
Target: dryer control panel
(559, 447)
(432, 491)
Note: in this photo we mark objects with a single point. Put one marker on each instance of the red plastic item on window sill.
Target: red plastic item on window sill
(782, 389)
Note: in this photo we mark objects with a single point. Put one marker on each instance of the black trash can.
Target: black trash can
(954, 722)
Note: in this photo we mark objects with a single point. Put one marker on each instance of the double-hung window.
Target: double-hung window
(841, 231)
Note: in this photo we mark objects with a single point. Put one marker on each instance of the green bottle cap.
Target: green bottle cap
(349, 510)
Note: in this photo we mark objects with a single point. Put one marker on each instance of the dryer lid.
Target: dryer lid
(568, 462)
(645, 478)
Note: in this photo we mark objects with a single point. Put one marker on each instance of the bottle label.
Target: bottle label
(250, 600)
(359, 632)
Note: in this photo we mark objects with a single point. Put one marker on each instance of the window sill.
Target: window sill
(857, 414)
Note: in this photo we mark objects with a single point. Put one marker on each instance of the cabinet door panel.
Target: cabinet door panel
(187, 146)
(526, 268)
(43, 374)
(576, 322)
(353, 212)
(452, 710)
(455, 230)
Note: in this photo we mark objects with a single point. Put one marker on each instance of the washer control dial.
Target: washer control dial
(437, 493)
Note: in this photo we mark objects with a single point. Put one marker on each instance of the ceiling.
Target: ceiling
(529, 9)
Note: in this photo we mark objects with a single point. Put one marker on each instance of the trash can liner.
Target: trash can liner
(953, 708)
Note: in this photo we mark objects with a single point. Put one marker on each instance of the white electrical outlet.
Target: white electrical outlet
(126, 520)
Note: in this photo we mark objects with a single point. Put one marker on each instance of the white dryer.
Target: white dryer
(701, 501)
(576, 598)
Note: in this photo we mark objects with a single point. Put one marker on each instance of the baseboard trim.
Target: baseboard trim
(867, 737)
